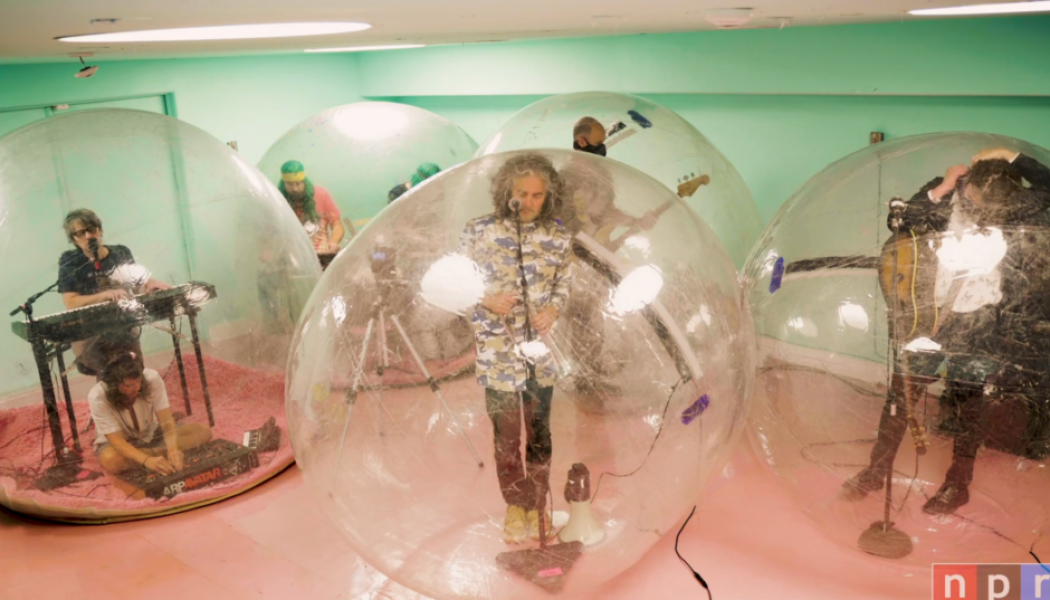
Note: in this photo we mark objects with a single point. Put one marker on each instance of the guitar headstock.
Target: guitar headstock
(688, 188)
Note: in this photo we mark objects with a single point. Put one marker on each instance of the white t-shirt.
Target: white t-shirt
(109, 420)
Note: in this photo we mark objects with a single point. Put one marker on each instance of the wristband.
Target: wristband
(145, 460)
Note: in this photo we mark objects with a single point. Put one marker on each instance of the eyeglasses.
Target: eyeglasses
(80, 233)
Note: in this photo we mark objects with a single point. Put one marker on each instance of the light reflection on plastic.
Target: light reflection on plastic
(804, 326)
(453, 283)
(973, 252)
(132, 275)
(492, 145)
(853, 315)
(371, 122)
(922, 344)
(695, 321)
(636, 291)
(339, 310)
(637, 243)
(534, 349)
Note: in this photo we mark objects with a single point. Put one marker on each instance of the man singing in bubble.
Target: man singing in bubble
(514, 364)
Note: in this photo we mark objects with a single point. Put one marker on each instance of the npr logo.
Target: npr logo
(991, 582)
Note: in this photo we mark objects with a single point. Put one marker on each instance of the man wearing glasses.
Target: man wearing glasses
(94, 273)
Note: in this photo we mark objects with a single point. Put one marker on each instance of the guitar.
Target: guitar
(907, 276)
(685, 189)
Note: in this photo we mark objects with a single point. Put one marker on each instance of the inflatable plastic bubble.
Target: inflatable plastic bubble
(652, 139)
(903, 391)
(358, 158)
(407, 366)
(158, 248)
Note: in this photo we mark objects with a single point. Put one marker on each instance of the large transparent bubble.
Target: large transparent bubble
(177, 209)
(654, 140)
(900, 302)
(640, 387)
(363, 156)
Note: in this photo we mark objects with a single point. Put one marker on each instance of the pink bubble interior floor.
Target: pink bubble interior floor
(746, 539)
(242, 399)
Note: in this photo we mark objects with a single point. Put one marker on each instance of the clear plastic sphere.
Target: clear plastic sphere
(899, 303)
(643, 379)
(369, 153)
(176, 209)
(654, 140)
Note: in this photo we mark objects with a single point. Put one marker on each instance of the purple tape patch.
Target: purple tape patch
(778, 275)
(695, 410)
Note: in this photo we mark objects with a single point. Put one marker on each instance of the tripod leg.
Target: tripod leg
(351, 395)
(434, 387)
(381, 366)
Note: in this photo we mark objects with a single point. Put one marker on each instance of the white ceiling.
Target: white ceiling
(28, 27)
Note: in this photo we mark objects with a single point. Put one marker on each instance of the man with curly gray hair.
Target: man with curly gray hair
(525, 256)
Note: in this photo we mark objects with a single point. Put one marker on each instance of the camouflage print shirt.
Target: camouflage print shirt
(492, 243)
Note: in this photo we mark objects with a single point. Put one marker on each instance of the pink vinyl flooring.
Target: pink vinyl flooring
(746, 539)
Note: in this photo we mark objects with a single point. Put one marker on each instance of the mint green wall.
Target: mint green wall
(781, 104)
(1001, 56)
(252, 100)
(777, 142)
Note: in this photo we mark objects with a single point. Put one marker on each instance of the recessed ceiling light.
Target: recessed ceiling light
(222, 32)
(985, 9)
(365, 48)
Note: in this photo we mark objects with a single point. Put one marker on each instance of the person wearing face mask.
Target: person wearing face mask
(94, 273)
(314, 207)
(987, 314)
(134, 425)
(588, 135)
(514, 366)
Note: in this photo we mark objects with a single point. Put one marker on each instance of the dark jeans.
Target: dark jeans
(526, 484)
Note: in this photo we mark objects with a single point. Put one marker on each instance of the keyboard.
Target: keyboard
(204, 465)
(88, 321)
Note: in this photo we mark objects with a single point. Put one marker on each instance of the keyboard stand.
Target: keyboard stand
(44, 350)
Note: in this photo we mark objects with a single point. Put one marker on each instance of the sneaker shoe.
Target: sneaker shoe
(533, 519)
(514, 530)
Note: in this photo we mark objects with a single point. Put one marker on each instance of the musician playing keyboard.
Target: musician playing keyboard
(134, 425)
(94, 273)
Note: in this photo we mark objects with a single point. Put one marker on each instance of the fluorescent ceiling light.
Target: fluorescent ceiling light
(223, 32)
(365, 48)
(985, 9)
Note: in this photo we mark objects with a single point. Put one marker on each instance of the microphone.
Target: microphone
(897, 207)
(93, 246)
(514, 205)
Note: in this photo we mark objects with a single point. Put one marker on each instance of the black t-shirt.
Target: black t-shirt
(77, 272)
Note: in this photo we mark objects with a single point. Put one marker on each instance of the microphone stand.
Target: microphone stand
(882, 538)
(27, 306)
(530, 372)
(546, 566)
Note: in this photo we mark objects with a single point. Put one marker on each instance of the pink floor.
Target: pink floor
(273, 542)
